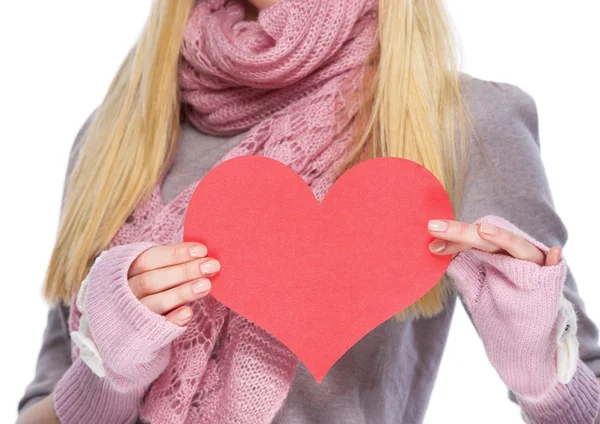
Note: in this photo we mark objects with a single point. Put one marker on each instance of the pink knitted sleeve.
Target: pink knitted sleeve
(133, 342)
(516, 307)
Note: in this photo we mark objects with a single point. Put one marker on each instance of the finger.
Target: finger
(443, 247)
(180, 316)
(553, 256)
(168, 300)
(460, 232)
(162, 256)
(162, 279)
(515, 245)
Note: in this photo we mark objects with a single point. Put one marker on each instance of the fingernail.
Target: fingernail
(210, 267)
(201, 286)
(435, 225)
(184, 314)
(437, 246)
(488, 229)
(198, 251)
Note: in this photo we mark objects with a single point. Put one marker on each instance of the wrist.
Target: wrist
(80, 396)
(575, 402)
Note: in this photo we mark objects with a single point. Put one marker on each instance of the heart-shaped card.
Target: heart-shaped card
(319, 276)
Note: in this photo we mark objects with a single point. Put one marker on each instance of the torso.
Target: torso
(388, 376)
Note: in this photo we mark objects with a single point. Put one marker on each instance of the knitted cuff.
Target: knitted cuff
(516, 307)
(80, 396)
(576, 402)
(133, 342)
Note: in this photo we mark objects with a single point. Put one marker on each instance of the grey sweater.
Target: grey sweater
(388, 376)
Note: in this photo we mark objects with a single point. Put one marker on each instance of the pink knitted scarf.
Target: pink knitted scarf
(285, 78)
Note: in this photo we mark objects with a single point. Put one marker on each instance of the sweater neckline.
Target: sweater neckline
(179, 197)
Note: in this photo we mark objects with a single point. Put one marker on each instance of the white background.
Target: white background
(58, 58)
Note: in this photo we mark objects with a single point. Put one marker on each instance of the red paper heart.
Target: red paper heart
(319, 277)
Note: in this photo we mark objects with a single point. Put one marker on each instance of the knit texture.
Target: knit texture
(285, 78)
(576, 402)
(515, 306)
(80, 396)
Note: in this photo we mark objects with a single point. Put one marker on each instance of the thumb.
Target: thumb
(553, 256)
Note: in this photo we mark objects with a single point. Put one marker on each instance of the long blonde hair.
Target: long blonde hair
(408, 101)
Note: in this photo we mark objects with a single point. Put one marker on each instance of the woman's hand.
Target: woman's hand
(133, 305)
(166, 278)
(511, 285)
(454, 237)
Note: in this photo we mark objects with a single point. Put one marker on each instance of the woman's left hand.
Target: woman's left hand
(454, 237)
(512, 285)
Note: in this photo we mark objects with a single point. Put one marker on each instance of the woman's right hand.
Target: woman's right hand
(166, 278)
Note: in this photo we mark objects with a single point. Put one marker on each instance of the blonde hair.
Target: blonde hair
(408, 100)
